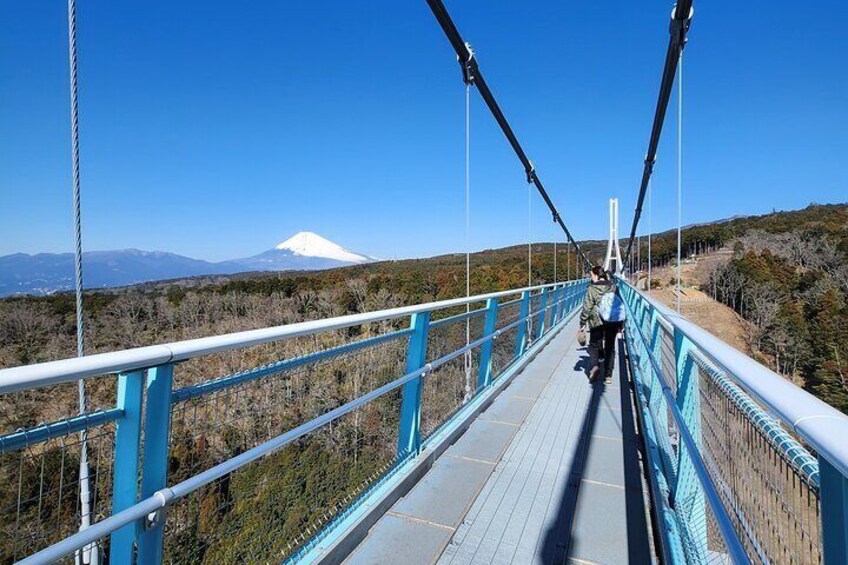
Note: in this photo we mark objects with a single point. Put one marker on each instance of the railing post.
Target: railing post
(409, 434)
(555, 300)
(834, 513)
(521, 334)
(484, 376)
(157, 424)
(687, 490)
(125, 473)
(542, 312)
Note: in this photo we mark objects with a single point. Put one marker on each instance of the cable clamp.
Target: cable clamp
(679, 27)
(649, 165)
(467, 66)
(531, 173)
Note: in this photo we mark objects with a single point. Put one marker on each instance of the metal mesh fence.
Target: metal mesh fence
(766, 482)
(667, 358)
(772, 498)
(447, 335)
(212, 366)
(269, 510)
(534, 323)
(223, 423)
(700, 536)
(445, 390)
(40, 491)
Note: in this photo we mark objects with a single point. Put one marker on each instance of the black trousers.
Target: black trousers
(603, 338)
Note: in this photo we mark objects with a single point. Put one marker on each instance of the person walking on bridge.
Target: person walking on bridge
(603, 317)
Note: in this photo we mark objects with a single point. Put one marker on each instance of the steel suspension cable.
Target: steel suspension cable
(467, 355)
(650, 232)
(472, 74)
(681, 18)
(529, 237)
(89, 554)
(679, 176)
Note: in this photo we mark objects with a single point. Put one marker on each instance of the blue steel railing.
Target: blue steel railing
(151, 414)
(744, 465)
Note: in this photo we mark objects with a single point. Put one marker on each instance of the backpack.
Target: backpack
(611, 308)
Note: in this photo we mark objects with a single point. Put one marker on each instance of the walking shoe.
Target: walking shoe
(608, 380)
(593, 373)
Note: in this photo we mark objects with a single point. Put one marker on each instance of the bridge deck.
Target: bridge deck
(549, 471)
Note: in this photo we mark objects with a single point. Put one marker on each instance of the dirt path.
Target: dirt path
(712, 316)
(699, 307)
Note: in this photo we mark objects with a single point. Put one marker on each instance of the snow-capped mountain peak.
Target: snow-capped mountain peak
(309, 244)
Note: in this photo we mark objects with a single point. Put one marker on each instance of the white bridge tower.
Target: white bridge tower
(613, 240)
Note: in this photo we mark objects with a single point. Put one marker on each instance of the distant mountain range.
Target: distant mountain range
(46, 273)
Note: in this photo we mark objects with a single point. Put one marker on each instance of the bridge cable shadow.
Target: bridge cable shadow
(559, 539)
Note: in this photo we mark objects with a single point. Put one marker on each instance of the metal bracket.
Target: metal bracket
(152, 520)
(467, 66)
(679, 28)
(531, 173)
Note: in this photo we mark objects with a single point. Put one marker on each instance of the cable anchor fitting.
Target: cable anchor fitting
(649, 165)
(680, 27)
(467, 66)
(531, 173)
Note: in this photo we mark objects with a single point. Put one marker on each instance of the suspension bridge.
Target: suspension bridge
(458, 431)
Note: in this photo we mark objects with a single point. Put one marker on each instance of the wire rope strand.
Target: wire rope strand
(650, 232)
(555, 262)
(88, 554)
(679, 174)
(467, 236)
(529, 235)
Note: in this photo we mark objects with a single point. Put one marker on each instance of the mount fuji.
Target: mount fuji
(46, 273)
(303, 251)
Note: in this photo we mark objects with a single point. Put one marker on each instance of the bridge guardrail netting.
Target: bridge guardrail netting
(750, 477)
(268, 508)
(262, 462)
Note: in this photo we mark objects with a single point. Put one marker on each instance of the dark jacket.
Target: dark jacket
(589, 315)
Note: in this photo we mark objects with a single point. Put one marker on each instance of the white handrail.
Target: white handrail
(66, 370)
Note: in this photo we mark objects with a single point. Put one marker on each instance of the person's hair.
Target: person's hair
(599, 272)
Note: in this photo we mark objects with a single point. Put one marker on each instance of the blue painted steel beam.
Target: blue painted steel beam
(521, 333)
(540, 320)
(39, 434)
(834, 513)
(672, 550)
(409, 434)
(687, 490)
(125, 474)
(157, 424)
(484, 376)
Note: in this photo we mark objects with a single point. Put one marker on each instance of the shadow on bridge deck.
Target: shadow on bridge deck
(549, 473)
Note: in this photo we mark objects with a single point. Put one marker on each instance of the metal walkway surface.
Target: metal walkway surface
(549, 473)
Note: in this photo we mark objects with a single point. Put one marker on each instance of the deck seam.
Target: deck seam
(417, 520)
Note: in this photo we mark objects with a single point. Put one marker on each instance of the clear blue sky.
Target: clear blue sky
(217, 129)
